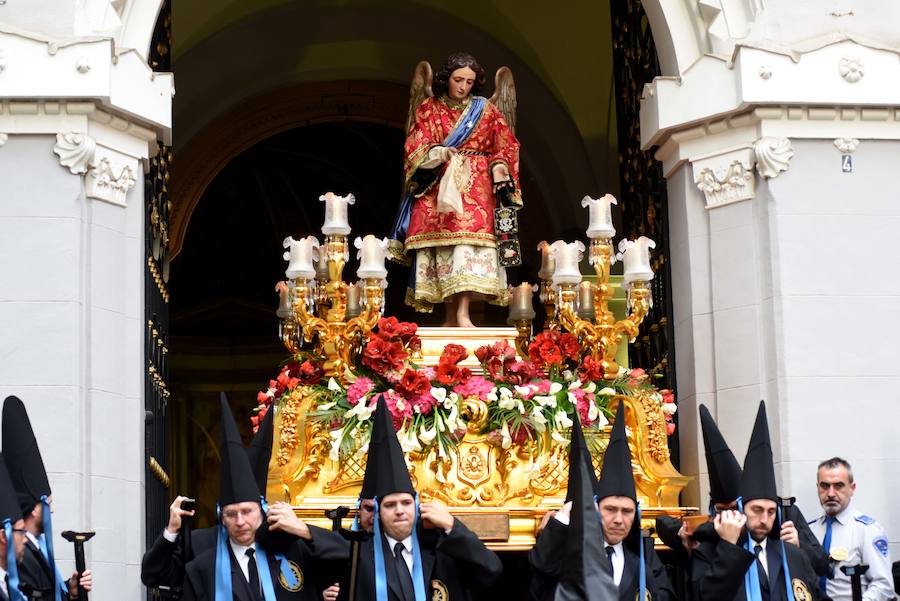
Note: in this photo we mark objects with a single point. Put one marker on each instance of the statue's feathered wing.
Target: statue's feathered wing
(419, 90)
(504, 97)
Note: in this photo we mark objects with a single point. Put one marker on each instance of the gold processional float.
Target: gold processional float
(498, 484)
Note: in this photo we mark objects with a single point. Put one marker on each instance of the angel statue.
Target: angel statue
(462, 158)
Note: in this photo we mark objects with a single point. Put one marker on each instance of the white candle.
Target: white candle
(585, 301)
(521, 306)
(371, 255)
(336, 213)
(635, 254)
(567, 258)
(601, 224)
(300, 257)
(548, 263)
(354, 307)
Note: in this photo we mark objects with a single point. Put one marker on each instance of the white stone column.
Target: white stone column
(781, 162)
(78, 121)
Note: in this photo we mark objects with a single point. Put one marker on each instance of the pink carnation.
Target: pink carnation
(543, 386)
(476, 385)
(424, 403)
(401, 409)
(583, 402)
(359, 389)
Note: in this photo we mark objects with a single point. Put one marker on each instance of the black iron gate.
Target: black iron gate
(644, 201)
(156, 309)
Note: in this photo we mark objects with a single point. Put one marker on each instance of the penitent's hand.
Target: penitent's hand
(789, 533)
(175, 515)
(729, 525)
(436, 515)
(282, 517)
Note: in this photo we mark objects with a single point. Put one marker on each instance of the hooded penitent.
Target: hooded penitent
(723, 468)
(386, 474)
(586, 574)
(617, 480)
(29, 478)
(758, 482)
(10, 513)
(237, 484)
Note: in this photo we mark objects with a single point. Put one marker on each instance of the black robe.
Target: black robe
(549, 551)
(719, 568)
(35, 572)
(457, 562)
(163, 563)
(325, 546)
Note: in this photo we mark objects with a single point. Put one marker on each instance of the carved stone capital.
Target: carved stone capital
(846, 145)
(108, 174)
(111, 177)
(725, 178)
(773, 155)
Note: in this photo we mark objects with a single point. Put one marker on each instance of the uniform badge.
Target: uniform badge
(801, 591)
(439, 591)
(298, 578)
(881, 545)
(647, 596)
(839, 554)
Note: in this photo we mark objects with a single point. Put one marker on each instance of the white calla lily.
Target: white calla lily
(427, 435)
(555, 387)
(408, 440)
(593, 412)
(559, 438)
(505, 438)
(602, 420)
(562, 420)
(575, 384)
(591, 387)
(333, 385)
(607, 391)
(439, 394)
(540, 422)
(335, 452)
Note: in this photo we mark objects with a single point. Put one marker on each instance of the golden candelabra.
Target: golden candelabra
(336, 337)
(603, 334)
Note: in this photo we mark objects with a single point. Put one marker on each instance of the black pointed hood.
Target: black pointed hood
(724, 470)
(616, 476)
(9, 502)
(260, 451)
(585, 572)
(758, 478)
(237, 481)
(23, 457)
(578, 448)
(386, 471)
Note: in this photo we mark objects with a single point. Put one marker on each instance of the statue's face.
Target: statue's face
(460, 84)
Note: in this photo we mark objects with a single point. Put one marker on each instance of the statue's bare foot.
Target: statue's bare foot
(464, 322)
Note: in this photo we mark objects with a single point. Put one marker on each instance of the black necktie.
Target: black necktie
(405, 580)
(763, 575)
(253, 574)
(610, 552)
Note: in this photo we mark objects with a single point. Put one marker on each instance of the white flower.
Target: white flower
(657, 398)
(360, 411)
(669, 408)
(555, 387)
(453, 421)
(562, 420)
(505, 438)
(506, 399)
(546, 400)
(361, 451)
(326, 406)
(574, 385)
(621, 372)
(607, 391)
(602, 420)
(492, 395)
(335, 452)
(524, 391)
(559, 438)
(539, 419)
(408, 440)
(439, 394)
(333, 385)
(567, 375)
(591, 387)
(426, 435)
(593, 412)
(439, 422)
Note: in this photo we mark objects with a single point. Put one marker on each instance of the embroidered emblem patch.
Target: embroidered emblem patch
(881, 545)
(439, 591)
(647, 595)
(801, 591)
(298, 577)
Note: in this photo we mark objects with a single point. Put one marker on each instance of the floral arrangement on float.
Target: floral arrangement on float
(528, 399)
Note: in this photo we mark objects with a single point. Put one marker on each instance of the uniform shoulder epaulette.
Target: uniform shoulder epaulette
(864, 519)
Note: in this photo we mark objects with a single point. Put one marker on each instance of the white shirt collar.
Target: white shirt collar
(762, 543)
(3, 581)
(34, 540)
(241, 550)
(617, 547)
(407, 543)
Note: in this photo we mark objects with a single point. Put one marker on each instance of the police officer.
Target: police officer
(849, 536)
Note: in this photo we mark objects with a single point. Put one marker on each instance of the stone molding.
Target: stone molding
(3, 138)
(846, 145)
(108, 175)
(773, 155)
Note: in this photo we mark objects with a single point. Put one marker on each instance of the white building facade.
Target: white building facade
(778, 125)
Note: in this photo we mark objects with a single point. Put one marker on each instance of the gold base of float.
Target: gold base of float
(501, 494)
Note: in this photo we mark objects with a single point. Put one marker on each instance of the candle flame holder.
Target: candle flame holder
(335, 337)
(603, 334)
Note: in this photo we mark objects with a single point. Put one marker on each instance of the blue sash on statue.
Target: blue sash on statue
(456, 138)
